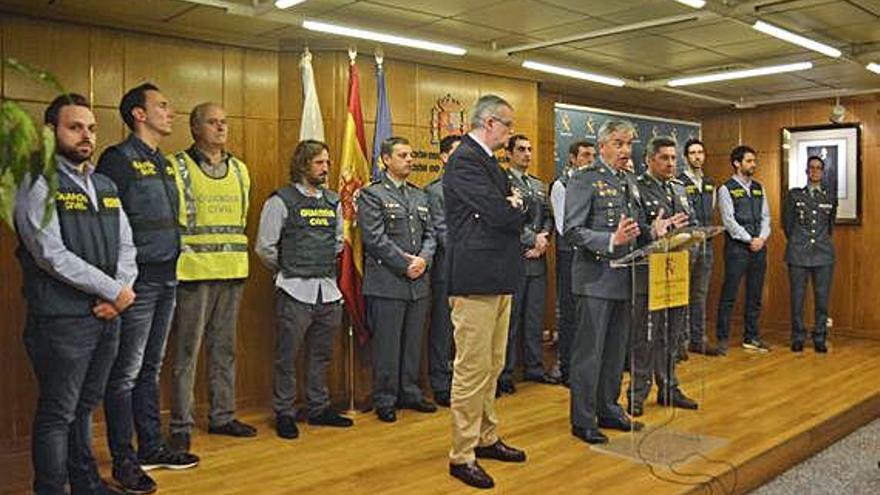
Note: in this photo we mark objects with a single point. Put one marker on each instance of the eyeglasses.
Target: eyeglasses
(505, 123)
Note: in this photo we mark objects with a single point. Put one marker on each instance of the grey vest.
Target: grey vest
(700, 198)
(152, 206)
(89, 233)
(307, 248)
(747, 205)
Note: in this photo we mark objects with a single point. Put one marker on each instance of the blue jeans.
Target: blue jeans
(741, 263)
(71, 357)
(132, 398)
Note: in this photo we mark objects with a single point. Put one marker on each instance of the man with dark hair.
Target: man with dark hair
(602, 224)
(655, 335)
(527, 309)
(581, 154)
(484, 217)
(745, 214)
(439, 336)
(299, 239)
(399, 244)
(700, 190)
(78, 269)
(214, 189)
(808, 215)
(147, 188)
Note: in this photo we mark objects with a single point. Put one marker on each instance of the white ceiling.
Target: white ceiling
(722, 40)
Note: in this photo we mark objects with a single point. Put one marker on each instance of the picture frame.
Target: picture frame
(840, 147)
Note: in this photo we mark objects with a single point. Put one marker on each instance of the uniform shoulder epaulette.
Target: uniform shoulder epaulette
(414, 186)
(676, 180)
(589, 168)
(642, 177)
(375, 181)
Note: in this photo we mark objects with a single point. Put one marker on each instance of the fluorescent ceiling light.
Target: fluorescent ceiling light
(577, 74)
(382, 37)
(283, 4)
(797, 39)
(873, 67)
(697, 4)
(739, 74)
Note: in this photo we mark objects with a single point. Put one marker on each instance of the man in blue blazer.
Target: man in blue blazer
(484, 217)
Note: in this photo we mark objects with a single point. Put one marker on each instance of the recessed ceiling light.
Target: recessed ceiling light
(577, 74)
(778, 32)
(697, 4)
(284, 4)
(382, 37)
(739, 74)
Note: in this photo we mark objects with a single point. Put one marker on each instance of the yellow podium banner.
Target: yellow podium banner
(668, 280)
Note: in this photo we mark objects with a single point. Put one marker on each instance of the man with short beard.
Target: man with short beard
(299, 237)
(700, 190)
(745, 214)
(145, 180)
(78, 270)
(214, 189)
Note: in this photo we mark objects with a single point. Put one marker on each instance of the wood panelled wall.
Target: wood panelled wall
(261, 91)
(856, 278)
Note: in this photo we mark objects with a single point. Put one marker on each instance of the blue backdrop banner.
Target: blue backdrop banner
(575, 122)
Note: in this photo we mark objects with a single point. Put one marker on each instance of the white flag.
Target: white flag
(312, 124)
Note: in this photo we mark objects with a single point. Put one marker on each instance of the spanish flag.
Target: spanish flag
(353, 174)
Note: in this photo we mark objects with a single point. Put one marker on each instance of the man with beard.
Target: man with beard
(440, 334)
(601, 224)
(299, 237)
(78, 270)
(145, 180)
(214, 189)
(700, 190)
(656, 334)
(399, 244)
(745, 214)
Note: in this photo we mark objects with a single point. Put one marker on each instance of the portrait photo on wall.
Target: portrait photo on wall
(839, 146)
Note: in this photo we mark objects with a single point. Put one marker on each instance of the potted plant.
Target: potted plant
(26, 148)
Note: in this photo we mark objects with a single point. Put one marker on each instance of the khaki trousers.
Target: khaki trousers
(480, 323)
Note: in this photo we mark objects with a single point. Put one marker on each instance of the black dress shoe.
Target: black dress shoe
(702, 348)
(545, 378)
(234, 428)
(328, 417)
(442, 399)
(678, 400)
(423, 405)
(472, 475)
(500, 451)
(620, 423)
(820, 347)
(505, 387)
(797, 347)
(285, 426)
(636, 409)
(589, 435)
(386, 414)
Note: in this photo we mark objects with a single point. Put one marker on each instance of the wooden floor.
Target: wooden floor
(774, 410)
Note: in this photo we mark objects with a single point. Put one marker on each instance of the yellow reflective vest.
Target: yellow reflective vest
(213, 215)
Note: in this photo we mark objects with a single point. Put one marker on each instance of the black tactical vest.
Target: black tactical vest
(747, 205)
(307, 248)
(91, 234)
(152, 205)
(700, 198)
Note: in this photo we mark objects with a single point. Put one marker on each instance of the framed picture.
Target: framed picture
(840, 147)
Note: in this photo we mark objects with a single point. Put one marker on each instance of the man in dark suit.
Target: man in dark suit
(484, 218)
(399, 242)
(439, 371)
(807, 218)
(601, 224)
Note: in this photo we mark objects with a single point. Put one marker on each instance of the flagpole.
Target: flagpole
(351, 388)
